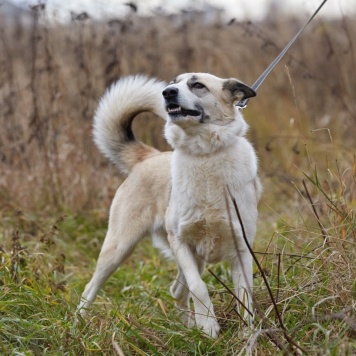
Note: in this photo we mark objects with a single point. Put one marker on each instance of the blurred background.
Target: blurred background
(56, 61)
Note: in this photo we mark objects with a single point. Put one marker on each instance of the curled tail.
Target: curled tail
(120, 104)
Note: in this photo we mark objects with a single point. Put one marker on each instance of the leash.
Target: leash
(243, 103)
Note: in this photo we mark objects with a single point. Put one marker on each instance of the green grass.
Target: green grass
(45, 263)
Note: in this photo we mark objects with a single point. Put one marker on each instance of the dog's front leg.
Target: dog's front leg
(180, 292)
(203, 308)
(242, 276)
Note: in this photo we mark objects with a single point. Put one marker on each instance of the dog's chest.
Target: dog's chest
(211, 239)
(198, 205)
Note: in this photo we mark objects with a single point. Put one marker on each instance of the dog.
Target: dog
(180, 197)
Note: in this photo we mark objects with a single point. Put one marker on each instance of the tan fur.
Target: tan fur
(180, 197)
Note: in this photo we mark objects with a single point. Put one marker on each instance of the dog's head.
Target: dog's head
(200, 103)
(203, 97)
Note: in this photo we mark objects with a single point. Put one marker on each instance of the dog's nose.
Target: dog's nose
(170, 93)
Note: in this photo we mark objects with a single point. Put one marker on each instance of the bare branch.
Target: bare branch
(315, 212)
(288, 338)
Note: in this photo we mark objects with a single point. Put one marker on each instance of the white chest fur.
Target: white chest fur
(198, 210)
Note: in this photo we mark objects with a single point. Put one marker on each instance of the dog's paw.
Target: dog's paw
(245, 332)
(83, 308)
(209, 325)
(82, 312)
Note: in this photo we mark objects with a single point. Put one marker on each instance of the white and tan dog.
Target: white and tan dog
(180, 197)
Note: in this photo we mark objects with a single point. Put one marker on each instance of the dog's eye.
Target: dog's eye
(198, 85)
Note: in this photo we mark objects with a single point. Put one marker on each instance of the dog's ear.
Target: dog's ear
(238, 90)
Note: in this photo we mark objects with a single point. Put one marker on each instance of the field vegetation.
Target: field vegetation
(56, 188)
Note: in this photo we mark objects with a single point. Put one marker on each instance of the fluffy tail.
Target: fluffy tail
(118, 107)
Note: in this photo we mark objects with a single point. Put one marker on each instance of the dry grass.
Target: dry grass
(52, 78)
(303, 128)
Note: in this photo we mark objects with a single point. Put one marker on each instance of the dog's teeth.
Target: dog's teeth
(178, 109)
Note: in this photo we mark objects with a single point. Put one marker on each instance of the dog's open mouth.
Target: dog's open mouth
(176, 110)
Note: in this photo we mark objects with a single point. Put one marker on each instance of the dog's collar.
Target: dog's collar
(243, 103)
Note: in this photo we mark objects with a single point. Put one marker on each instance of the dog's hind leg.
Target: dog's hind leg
(120, 240)
(111, 256)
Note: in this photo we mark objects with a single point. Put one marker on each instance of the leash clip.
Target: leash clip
(241, 104)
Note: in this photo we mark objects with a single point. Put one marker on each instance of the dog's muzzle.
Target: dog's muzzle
(173, 108)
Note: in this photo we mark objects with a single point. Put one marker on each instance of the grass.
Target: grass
(45, 263)
(55, 188)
